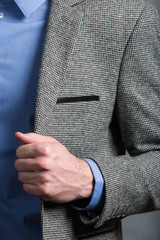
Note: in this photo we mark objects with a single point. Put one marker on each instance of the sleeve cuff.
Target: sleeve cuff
(97, 196)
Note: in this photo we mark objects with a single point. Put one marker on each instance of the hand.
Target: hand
(48, 170)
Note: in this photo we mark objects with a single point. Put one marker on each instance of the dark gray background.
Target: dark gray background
(142, 226)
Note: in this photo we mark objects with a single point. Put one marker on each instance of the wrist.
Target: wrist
(96, 201)
(87, 181)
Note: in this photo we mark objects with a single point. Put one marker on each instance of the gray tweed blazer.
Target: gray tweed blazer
(99, 95)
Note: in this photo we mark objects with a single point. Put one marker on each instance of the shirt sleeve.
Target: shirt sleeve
(97, 199)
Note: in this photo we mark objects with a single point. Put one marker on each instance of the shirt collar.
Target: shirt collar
(29, 6)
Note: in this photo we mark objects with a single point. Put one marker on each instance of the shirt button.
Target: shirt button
(1, 15)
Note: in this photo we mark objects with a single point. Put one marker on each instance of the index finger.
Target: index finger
(28, 151)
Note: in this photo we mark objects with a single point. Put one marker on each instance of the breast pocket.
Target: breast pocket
(77, 99)
(76, 122)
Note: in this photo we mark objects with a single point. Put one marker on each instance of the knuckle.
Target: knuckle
(42, 164)
(43, 149)
(43, 189)
(44, 178)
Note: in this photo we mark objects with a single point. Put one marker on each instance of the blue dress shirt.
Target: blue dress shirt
(22, 32)
(22, 29)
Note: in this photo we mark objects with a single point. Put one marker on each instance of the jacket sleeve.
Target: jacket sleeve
(132, 181)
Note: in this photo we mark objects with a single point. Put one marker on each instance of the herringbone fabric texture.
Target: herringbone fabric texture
(110, 49)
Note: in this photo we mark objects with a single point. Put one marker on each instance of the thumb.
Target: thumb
(27, 138)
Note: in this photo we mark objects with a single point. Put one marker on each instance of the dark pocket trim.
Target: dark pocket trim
(78, 99)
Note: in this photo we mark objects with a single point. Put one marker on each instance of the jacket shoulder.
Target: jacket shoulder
(120, 10)
(118, 15)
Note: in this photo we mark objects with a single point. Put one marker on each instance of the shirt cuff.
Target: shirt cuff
(97, 196)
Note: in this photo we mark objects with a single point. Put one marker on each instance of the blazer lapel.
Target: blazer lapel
(63, 25)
